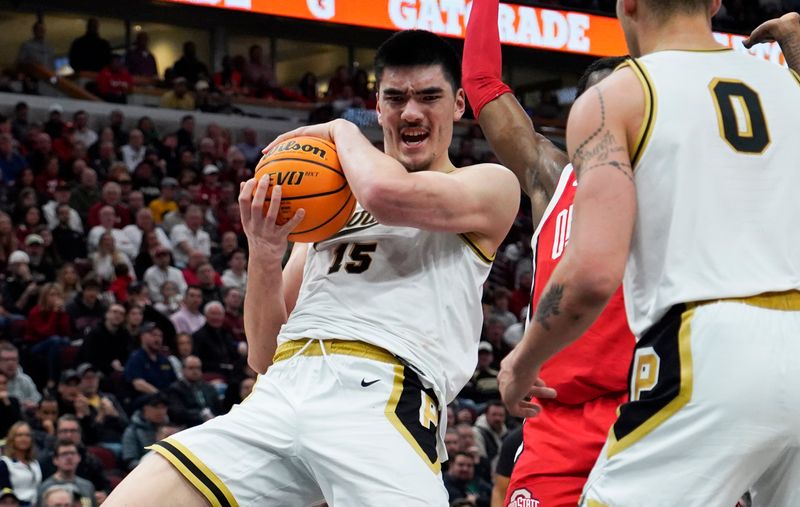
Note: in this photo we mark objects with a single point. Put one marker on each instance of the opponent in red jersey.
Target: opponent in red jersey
(561, 445)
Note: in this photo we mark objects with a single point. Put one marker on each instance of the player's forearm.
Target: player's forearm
(791, 50)
(264, 310)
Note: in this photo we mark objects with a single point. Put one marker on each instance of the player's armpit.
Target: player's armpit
(533, 158)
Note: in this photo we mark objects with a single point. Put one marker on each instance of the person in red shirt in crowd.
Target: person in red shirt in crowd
(114, 82)
(111, 196)
(46, 182)
(48, 328)
(561, 444)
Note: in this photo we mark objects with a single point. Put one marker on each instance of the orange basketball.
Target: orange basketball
(310, 176)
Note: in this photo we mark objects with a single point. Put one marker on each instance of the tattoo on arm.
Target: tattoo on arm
(549, 305)
(791, 51)
(598, 154)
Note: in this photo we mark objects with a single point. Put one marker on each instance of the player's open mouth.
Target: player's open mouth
(413, 137)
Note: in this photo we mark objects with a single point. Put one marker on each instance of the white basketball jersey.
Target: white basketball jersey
(414, 293)
(717, 176)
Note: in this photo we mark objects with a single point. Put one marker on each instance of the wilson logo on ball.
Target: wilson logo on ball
(295, 146)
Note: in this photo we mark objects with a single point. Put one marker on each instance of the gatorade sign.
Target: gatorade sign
(533, 27)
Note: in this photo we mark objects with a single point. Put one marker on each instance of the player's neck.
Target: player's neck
(680, 32)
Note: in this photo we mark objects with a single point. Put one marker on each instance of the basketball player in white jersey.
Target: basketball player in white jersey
(364, 337)
(687, 164)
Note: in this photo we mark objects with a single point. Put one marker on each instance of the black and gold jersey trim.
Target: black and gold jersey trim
(483, 255)
(196, 472)
(650, 110)
(795, 75)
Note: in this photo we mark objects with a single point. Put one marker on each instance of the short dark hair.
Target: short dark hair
(411, 48)
(63, 443)
(610, 63)
(495, 403)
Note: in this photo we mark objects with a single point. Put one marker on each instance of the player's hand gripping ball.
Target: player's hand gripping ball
(311, 178)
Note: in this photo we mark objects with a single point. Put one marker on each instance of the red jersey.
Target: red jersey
(597, 363)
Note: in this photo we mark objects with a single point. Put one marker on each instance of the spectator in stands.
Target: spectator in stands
(106, 260)
(165, 202)
(19, 385)
(152, 139)
(148, 369)
(188, 66)
(8, 240)
(482, 387)
(147, 251)
(308, 87)
(178, 97)
(70, 429)
(133, 322)
(161, 272)
(68, 281)
(145, 224)
(106, 345)
(20, 125)
(209, 100)
(139, 60)
(11, 162)
(10, 410)
(85, 195)
(141, 432)
(236, 274)
(31, 218)
(114, 82)
(90, 52)
(41, 266)
(259, 78)
(35, 51)
(18, 463)
(338, 83)
(209, 282)
(111, 418)
(100, 155)
(249, 146)
(460, 481)
(216, 347)
(82, 132)
(189, 237)
(48, 328)
(189, 318)
(170, 298)
(111, 196)
(66, 458)
(69, 243)
(133, 152)
(491, 430)
(42, 150)
(108, 225)
(192, 401)
(57, 496)
(86, 310)
(20, 289)
(116, 121)
(229, 79)
(43, 421)
(234, 320)
(61, 195)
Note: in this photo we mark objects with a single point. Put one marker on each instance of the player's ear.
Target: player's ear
(714, 7)
(378, 108)
(460, 105)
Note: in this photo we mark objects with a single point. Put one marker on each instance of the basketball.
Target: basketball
(310, 176)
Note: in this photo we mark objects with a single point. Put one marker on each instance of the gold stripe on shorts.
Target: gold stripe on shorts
(196, 472)
(788, 301)
(340, 347)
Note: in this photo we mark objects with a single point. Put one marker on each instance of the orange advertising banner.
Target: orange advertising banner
(533, 27)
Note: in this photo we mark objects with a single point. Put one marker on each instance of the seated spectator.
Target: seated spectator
(165, 202)
(86, 309)
(35, 51)
(308, 87)
(58, 496)
(81, 131)
(134, 322)
(490, 430)
(236, 274)
(133, 152)
(259, 78)
(234, 320)
(8, 240)
(178, 97)
(250, 147)
(139, 295)
(189, 318)
(192, 401)
(482, 386)
(183, 349)
(229, 79)
(85, 195)
(66, 459)
(338, 83)
(162, 272)
(216, 347)
(139, 60)
(31, 219)
(460, 481)
(19, 463)
(106, 345)
(145, 224)
(61, 195)
(20, 123)
(152, 139)
(148, 369)
(69, 243)
(189, 237)
(493, 333)
(11, 162)
(69, 429)
(111, 196)
(208, 281)
(108, 225)
(10, 409)
(68, 281)
(111, 419)
(107, 258)
(43, 421)
(42, 262)
(48, 328)
(89, 52)
(500, 309)
(20, 289)
(170, 299)
(18, 384)
(141, 432)
(106, 157)
(188, 66)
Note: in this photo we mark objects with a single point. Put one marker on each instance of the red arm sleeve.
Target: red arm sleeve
(483, 61)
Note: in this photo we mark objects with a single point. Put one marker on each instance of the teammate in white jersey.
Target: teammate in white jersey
(687, 163)
(367, 335)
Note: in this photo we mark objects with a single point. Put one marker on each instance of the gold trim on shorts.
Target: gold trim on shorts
(196, 472)
(788, 301)
(341, 347)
